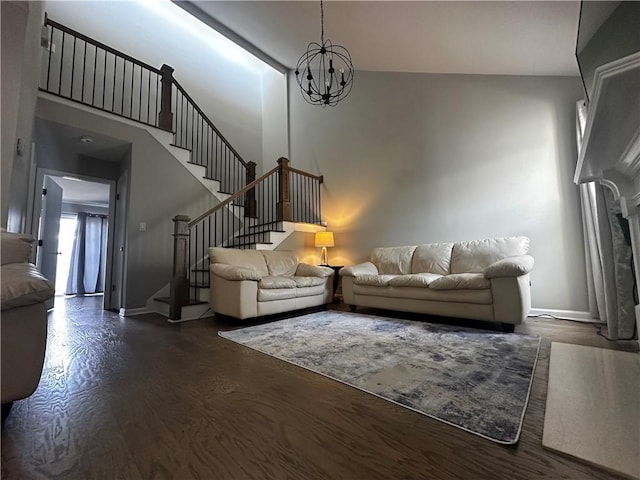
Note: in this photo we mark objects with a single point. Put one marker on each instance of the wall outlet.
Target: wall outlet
(143, 227)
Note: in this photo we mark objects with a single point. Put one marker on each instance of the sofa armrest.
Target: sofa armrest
(21, 284)
(366, 268)
(234, 273)
(307, 270)
(510, 267)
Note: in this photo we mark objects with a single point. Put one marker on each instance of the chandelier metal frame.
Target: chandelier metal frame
(325, 71)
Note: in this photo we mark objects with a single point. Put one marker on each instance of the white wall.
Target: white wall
(20, 42)
(159, 188)
(225, 86)
(418, 158)
(275, 140)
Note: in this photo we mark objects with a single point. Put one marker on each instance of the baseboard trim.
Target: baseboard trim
(564, 315)
(131, 312)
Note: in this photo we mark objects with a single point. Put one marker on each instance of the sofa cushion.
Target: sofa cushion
(22, 284)
(393, 260)
(274, 294)
(15, 247)
(477, 297)
(461, 281)
(432, 258)
(414, 280)
(476, 255)
(276, 282)
(280, 263)
(310, 291)
(249, 259)
(373, 280)
(302, 282)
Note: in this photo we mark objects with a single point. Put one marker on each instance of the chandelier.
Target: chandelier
(324, 72)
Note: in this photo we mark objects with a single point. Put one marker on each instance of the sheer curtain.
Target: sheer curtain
(88, 258)
(608, 256)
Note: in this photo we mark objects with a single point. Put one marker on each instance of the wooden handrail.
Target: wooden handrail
(320, 178)
(233, 197)
(70, 31)
(209, 122)
(251, 185)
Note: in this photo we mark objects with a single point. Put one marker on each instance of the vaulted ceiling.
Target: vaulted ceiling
(478, 37)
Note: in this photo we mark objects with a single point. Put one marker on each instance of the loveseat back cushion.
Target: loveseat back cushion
(393, 260)
(15, 247)
(432, 258)
(249, 259)
(280, 263)
(476, 255)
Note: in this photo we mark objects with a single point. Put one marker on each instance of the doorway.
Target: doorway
(82, 253)
(74, 233)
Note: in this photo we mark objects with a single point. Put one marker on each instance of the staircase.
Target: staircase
(283, 201)
(251, 213)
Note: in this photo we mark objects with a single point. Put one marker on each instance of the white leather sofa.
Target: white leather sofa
(253, 283)
(23, 321)
(481, 279)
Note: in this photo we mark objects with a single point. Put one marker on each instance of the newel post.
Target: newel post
(165, 117)
(250, 207)
(283, 206)
(179, 286)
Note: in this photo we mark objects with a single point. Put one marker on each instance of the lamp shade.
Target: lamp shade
(324, 239)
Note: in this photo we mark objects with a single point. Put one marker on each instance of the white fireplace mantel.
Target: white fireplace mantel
(610, 150)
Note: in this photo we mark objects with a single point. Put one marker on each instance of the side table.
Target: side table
(336, 277)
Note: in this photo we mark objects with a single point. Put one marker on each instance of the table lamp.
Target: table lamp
(324, 240)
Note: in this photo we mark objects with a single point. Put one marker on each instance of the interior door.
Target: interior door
(47, 256)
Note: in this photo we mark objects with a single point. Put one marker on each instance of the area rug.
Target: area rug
(473, 379)
(592, 408)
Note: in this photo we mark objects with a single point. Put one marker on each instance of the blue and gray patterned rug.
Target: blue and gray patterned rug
(473, 379)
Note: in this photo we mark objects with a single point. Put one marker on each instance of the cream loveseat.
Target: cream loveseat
(253, 283)
(481, 279)
(24, 319)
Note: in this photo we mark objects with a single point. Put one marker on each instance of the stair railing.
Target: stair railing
(209, 148)
(81, 69)
(283, 194)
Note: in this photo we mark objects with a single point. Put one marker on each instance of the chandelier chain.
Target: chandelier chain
(321, 23)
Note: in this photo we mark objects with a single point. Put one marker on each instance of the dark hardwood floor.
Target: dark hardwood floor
(142, 398)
